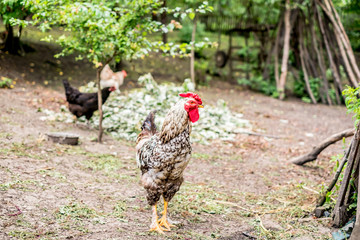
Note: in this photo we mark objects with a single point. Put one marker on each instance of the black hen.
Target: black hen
(84, 104)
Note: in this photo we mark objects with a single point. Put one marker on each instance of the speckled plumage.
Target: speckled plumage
(164, 156)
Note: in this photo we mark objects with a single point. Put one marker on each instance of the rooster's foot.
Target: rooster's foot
(163, 222)
(155, 226)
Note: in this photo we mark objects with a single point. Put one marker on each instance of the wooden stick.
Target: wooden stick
(306, 77)
(192, 58)
(311, 156)
(356, 231)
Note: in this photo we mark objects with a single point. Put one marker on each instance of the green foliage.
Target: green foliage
(10, 9)
(331, 195)
(6, 82)
(300, 88)
(352, 102)
(349, 12)
(101, 31)
(259, 84)
(186, 31)
(260, 11)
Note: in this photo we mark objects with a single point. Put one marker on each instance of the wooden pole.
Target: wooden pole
(341, 40)
(100, 104)
(346, 41)
(276, 51)
(192, 58)
(306, 77)
(319, 56)
(98, 72)
(335, 72)
(285, 58)
(356, 231)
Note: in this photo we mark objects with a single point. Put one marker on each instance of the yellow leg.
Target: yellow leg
(163, 221)
(154, 223)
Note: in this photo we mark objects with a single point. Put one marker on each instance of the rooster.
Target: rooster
(109, 78)
(84, 104)
(163, 157)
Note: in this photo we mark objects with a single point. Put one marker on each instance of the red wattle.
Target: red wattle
(194, 115)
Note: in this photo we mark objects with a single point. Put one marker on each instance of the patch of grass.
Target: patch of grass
(103, 162)
(193, 235)
(53, 174)
(201, 156)
(21, 149)
(119, 210)
(75, 211)
(6, 135)
(75, 216)
(196, 199)
(22, 234)
(18, 184)
(290, 206)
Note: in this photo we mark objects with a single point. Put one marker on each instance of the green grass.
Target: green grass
(119, 210)
(21, 149)
(75, 211)
(195, 199)
(103, 162)
(19, 184)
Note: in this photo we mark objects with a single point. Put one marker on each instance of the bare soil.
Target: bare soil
(233, 189)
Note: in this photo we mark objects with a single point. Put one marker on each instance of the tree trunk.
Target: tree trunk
(100, 134)
(192, 58)
(12, 42)
(163, 21)
(285, 58)
(276, 52)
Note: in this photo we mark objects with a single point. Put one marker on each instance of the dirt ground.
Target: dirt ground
(241, 189)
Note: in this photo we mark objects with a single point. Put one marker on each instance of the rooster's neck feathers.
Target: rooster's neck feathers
(175, 122)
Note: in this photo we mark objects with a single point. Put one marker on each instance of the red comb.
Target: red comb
(192, 95)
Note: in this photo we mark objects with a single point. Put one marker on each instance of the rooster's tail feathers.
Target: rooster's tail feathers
(149, 123)
(148, 129)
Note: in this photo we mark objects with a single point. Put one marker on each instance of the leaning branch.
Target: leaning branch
(311, 156)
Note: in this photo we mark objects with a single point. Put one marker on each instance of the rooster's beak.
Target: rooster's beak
(200, 106)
